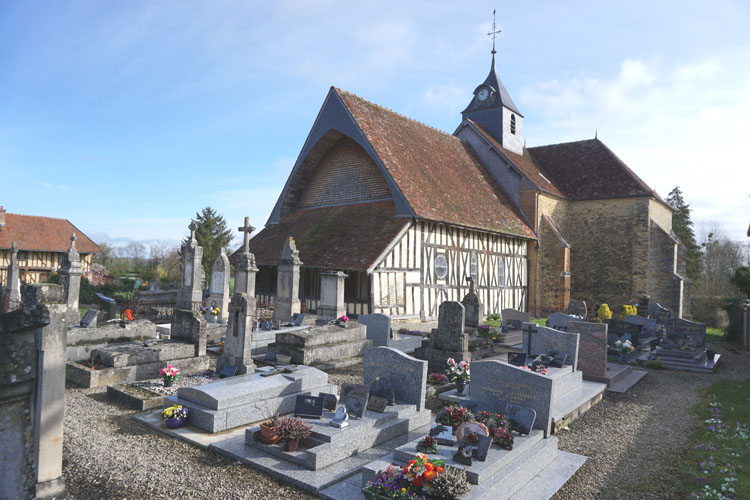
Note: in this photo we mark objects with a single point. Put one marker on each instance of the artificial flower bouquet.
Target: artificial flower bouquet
(437, 378)
(458, 371)
(541, 369)
(453, 415)
(169, 374)
(393, 484)
(128, 314)
(215, 311)
(624, 347)
(421, 471)
(174, 412)
(499, 428)
(427, 444)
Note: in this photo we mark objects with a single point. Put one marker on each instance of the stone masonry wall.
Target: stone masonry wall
(549, 253)
(662, 280)
(345, 174)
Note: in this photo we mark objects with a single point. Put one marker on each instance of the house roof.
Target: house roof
(588, 170)
(438, 174)
(341, 237)
(524, 163)
(32, 232)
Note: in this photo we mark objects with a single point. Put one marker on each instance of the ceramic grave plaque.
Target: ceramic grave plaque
(517, 358)
(383, 389)
(407, 376)
(442, 434)
(329, 401)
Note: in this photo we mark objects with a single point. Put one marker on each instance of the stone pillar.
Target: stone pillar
(70, 278)
(50, 391)
(287, 283)
(220, 285)
(12, 295)
(472, 306)
(237, 350)
(331, 305)
(190, 296)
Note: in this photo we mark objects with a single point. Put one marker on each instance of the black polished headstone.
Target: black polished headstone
(482, 448)
(517, 358)
(309, 406)
(90, 315)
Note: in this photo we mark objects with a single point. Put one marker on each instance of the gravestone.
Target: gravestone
(190, 296)
(577, 308)
(619, 329)
(244, 267)
(643, 304)
(331, 305)
(543, 340)
(378, 328)
(219, 291)
(521, 418)
(154, 285)
(473, 315)
(12, 294)
(659, 313)
(649, 327)
(237, 350)
(89, 319)
(190, 326)
(407, 375)
(70, 278)
(514, 319)
(592, 347)
(559, 321)
(684, 335)
(448, 340)
(498, 384)
(287, 300)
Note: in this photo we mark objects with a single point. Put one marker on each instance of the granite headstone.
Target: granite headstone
(378, 328)
(405, 374)
(543, 340)
(592, 349)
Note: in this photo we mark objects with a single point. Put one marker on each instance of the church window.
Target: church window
(501, 272)
(474, 268)
(441, 266)
(513, 124)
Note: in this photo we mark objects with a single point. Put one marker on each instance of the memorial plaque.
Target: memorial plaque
(557, 359)
(356, 405)
(309, 406)
(442, 434)
(407, 376)
(228, 371)
(329, 401)
(517, 358)
(463, 455)
(270, 356)
(383, 389)
(377, 404)
(577, 308)
(482, 448)
(90, 316)
(347, 389)
(521, 418)
(619, 329)
(298, 318)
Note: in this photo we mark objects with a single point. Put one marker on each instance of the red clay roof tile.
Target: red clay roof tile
(32, 232)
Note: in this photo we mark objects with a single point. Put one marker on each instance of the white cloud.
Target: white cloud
(683, 125)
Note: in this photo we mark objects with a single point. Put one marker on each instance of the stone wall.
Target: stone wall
(345, 174)
(663, 283)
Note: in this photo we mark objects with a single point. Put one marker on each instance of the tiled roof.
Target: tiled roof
(32, 232)
(437, 173)
(588, 170)
(524, 163)
(343, 237)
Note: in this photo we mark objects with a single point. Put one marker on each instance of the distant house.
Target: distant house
(41, 241)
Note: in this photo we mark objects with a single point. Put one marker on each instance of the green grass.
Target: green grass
(539, 321)
(719, 451)
(714, 335)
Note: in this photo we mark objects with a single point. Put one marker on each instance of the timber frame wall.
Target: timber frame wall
(36, 266)
(404, 282)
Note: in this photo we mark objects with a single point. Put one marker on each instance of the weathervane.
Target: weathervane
(494, 32)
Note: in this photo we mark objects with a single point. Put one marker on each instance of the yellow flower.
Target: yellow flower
(403, 490)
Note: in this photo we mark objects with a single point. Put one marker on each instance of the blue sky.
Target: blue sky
(129, 117)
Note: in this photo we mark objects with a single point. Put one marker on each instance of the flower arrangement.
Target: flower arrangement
(450, 483)
(174, 412)
(437, 378)
(128, 314)
(453, 415)
(421, 471)
(628, 310)
(169, 374)
(604, 312)
(471, 437)
(427, 444)
(291, 428)
(392, 483)
(624, 347)
(498, 335)
(499, 428)
(484, 331)
(541, 369)
(215, 311)
(458, 371)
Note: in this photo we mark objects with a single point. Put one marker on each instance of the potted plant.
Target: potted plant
(459, 373)
(427, 444)
(391, 484)
(269, 430)
(454, 416)
(291, 430)
(449, 484)
(437, 378)
(174, 416)
(169, 374)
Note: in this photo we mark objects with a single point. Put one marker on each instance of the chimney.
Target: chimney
(2, 217)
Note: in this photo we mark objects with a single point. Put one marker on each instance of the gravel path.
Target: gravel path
(630, 441)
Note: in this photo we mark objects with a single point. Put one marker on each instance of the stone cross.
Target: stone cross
(244, 265)
(193, 226)
(247, 229)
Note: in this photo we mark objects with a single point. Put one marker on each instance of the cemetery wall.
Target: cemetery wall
(345, 174)
(37, 266)
(407, 282)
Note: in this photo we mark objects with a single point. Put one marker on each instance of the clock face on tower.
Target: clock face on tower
(483, 94)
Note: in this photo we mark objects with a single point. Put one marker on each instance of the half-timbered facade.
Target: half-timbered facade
(42, 243)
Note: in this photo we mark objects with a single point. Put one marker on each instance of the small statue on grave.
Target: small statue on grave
(340, 418)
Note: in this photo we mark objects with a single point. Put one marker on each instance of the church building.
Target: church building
(410, 212)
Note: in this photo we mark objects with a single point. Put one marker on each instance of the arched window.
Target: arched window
(513, 124)
(441, 266)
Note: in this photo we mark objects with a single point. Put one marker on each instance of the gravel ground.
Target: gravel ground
(630, 441)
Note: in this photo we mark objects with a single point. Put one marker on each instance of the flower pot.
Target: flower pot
(212, 318)
(460, 386)
(173, 423)
(292, 445)
(268, 434)
(168, 382)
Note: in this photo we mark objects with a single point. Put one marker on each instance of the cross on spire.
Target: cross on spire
(247, 229)
(73, 239)
(494, 32)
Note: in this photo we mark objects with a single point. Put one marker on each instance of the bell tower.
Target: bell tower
(494, 110)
